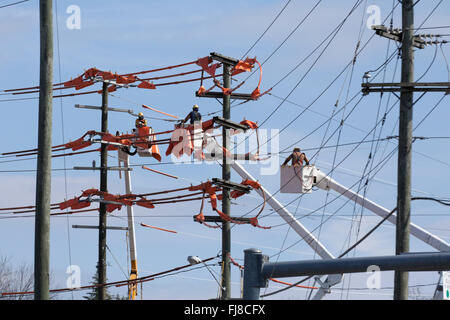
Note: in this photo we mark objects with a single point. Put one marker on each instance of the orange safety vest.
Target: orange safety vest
(297, 158)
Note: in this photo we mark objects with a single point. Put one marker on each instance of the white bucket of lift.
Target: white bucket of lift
(296, 179)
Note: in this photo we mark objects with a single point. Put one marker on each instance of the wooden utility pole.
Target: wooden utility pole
(44, 158)
(406, 87)
(101, 267)
(405, 148)
(228, 65)
(226, 176)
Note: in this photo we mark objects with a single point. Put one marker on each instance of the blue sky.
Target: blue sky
(135, 35)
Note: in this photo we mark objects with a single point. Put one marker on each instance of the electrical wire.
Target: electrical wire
(373, 229)
(265, 31)
(62, 132)
(12, 4)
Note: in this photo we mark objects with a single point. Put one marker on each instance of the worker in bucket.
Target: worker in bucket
(297, 157)
(193, 116)
(140, 121)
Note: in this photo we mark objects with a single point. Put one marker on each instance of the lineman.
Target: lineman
(297, 158)
(193, 116)
(140, 121)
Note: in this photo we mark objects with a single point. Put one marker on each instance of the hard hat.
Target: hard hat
(140, 114)
(195, 107)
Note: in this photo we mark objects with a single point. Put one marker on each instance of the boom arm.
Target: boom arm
(324, 182)
(309, 238)
(132, 291)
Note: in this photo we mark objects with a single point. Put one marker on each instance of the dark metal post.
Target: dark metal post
(226, 176)
(44, 164)
(101, 293)
(418, 262)
(405, 149)
(253, 279)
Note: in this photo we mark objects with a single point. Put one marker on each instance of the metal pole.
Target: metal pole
(404, 149)
(226, 176)
(43, 175)
(435, 261)
(131, 235)
(253, 261)
(101, 291)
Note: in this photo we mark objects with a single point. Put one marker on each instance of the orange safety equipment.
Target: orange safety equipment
(180, 134)
(86, 79)
(201, 90)
(243, 66)
(84, 85)
(208, 188)
(159, 111)
(90, 192)
(252, 125)
(144, 141)
(118, 200)
(80, 143)
(146, 85)
(145, 203)
(204, 64)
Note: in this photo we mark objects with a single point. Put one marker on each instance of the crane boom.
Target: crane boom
(324, 182)
(309, 238)
(132, 290)
(309, 177)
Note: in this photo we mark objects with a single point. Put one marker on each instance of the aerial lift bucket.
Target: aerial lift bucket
(298, 179)
(144, 136)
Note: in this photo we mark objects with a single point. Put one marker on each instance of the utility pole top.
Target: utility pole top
(397, 35)
(224, 59)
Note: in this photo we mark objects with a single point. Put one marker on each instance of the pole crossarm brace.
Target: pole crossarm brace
(231, 62)
(113, 82)
(396, 34)
(219, 95)
(102, 201)
(218, 219)
(406, 87)
(224, 59)
(231, 185)
(99, 168)
(230, 124)
(106, 142)
(83, 106)
(76, 226)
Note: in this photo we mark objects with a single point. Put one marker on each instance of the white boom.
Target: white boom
(124, 158)
(309, 238)
(324, 182)
(311, 176)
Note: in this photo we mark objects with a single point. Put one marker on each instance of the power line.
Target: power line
(373, 229)
(329, 85)
(267, 29)
(12, 4)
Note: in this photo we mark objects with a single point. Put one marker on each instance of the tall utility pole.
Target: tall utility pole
(226, 176)
(405, 148)
(101, 267)
(228, 64)
(44, 159)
